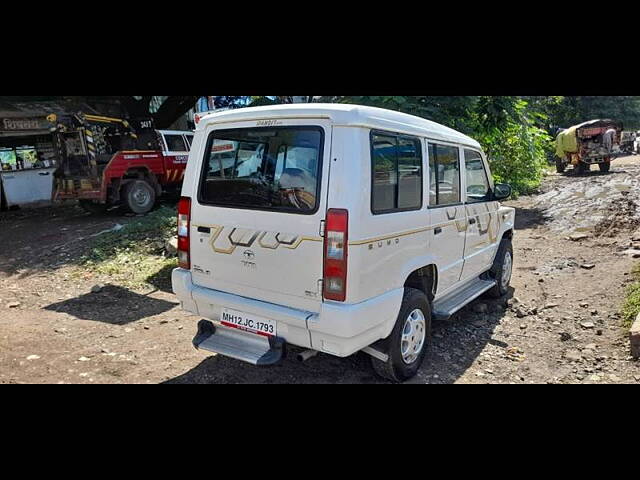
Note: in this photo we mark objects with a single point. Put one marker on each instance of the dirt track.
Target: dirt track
(562, 326)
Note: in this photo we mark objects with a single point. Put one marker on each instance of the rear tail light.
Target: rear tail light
(335, 255)
(184, 219)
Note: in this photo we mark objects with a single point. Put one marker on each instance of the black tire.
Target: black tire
(395, 368)
(93, 207)
(498, 269)
(139, 196)
(582, 167)
(560, 166)
(604, 167)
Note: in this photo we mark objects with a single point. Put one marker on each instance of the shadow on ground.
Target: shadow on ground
(529, 218)
(113, 304)
(161, 280)
(456, 345)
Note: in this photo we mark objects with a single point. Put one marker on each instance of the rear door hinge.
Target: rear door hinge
(322, 224)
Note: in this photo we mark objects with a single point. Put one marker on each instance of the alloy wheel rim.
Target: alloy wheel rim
(141, 196)
(414, 332)
(507, 267)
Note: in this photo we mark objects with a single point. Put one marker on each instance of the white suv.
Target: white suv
(335, 228)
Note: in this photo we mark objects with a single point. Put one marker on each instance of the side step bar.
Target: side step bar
(237, 344)
(443, 309)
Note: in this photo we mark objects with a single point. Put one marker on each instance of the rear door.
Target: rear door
(257, 216)
(447, 213)
(482, 216)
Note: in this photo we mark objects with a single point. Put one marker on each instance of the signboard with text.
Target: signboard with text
(24, 123)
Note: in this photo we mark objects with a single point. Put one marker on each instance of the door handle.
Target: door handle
(43, 173)
(204, 230)
(472, 221)
(437, 230)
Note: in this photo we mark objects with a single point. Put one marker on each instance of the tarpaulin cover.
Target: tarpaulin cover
(567, 142)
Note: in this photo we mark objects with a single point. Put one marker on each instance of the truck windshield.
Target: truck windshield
(263, 168)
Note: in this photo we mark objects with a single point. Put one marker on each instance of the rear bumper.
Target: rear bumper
(338, 329)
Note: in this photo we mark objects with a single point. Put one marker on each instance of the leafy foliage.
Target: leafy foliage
(631, 307)
(517, 148)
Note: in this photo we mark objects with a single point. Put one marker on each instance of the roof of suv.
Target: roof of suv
(344, 114)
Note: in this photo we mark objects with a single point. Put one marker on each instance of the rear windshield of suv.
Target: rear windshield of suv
(272, 168)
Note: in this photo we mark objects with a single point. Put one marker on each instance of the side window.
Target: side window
(175, 143)
(477, 181)
(189, 140)
(396, 173)
(444, 176)
(409, 173)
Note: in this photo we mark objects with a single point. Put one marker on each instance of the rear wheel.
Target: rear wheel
(604, 167)
(582, 167)
(139, 196)
(407, 345)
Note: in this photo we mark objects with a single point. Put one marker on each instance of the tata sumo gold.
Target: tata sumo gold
(336, 229)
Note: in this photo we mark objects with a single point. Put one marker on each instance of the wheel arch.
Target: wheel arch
(140, 172)
(425, 279)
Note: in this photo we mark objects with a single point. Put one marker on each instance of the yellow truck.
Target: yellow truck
(593, 142)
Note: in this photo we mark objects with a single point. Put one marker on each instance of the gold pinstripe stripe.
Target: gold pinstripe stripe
(403, 234)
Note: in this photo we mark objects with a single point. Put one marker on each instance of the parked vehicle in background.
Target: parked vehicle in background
(593, 142)
(106, 161)
(628, 142)
(637, 142)
(335, 228)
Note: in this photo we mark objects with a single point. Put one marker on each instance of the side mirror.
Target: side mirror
(502, 191)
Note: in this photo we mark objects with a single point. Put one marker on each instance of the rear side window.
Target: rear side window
(396, 173)
(189, 140)
(263, 168)
(444, 181)
(175, 143)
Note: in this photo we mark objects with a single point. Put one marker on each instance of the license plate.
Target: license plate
(248, 322)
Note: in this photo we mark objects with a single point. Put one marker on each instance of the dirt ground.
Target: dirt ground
(560, 324)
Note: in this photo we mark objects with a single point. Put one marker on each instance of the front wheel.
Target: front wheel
(502, 269)
(407, 345)
(139, 196)
(560, 166)
(604, 167)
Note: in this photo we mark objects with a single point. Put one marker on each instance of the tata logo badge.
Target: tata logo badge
(249, 255)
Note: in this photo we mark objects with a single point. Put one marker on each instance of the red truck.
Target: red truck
(106, 161)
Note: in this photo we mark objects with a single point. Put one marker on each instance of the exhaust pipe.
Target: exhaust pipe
(306, 355)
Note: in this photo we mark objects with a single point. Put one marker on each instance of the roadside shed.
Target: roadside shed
(28, 149)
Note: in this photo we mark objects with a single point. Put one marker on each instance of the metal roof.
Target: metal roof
(344, 114)
(15, 109)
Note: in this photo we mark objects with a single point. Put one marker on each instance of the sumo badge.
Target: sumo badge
(384, 243)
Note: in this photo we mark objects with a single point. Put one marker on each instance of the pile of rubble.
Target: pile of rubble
(598, 204)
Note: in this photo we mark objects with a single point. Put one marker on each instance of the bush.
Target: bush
(517, 155)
